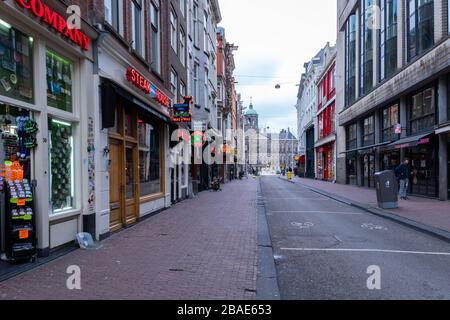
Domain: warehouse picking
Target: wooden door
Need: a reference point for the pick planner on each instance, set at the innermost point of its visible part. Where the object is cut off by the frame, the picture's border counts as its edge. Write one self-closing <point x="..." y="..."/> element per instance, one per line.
<point x="131" y="184"/>
<point x="116" y="185"/>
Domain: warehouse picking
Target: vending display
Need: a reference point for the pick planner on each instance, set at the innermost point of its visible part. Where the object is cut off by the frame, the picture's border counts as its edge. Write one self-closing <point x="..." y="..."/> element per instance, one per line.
<point x="20" y="226"/>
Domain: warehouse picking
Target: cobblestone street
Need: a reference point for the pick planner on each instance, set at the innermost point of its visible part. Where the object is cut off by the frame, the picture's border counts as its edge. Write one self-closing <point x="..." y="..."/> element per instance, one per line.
<point x="204" y="248"/>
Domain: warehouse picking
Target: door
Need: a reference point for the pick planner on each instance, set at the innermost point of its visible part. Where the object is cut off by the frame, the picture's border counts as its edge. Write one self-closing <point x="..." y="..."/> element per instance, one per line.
<point x="116" y="186"/>
<point x="123" y="171"/>
<point x="325" y="166"/>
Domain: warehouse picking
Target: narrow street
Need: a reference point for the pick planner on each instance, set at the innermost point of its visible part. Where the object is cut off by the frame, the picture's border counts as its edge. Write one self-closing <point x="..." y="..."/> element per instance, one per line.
<point x="323" y="249"/>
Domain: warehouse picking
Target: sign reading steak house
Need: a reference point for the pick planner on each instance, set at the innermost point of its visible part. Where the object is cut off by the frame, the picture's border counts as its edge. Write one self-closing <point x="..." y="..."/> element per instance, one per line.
<point x="56" y="21"/>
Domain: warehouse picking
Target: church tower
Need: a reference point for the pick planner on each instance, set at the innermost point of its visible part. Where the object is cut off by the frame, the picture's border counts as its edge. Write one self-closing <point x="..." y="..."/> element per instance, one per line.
<point x="251" y="118"/>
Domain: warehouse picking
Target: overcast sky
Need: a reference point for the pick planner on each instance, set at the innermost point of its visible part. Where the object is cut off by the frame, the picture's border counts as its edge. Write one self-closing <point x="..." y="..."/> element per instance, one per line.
<point x="275" y="39"/>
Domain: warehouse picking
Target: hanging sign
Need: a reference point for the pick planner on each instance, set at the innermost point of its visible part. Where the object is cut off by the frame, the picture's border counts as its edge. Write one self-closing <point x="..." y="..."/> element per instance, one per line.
<point x="398" y="129"/>
<point x="56" y="21"/>
<point x="181" y="113"/>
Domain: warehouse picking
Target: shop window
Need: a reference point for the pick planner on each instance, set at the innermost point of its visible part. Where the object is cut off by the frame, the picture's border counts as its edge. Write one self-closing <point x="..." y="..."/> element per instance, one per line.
<point x="16" y="64"/>
<point x="352" y="137"/>
<point x="368" y="131"/>
<point x="149" y="158"/>
<point x="61" y="161"/>
<point x="390" y="120"/>
<point x="422" y="111"/>
<point x="13" y="144"/>
<point x="59" y="82"/>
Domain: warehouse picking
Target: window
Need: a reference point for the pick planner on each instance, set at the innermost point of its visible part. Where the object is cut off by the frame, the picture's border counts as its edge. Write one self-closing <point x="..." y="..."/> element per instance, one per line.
<point x="112" y="13"/>
<point x="173" y="31"/>
<point x="366" y="47"/>
<point x="196" y="30"/>
<point x="206" y="93"/>
<point x="205" y="32"/>
<point x="16" y="68"/>
<point x="368" y="131"/>
<point x="61" y="161"/>
<point x="420" y="27"/>
<point x="59" y="82"/>
<point x="182" y="90"/>
<point x="183" y="7"/>
<point x="156" y="36"/>
<point x="422" y="111"/>
<point x="390" y="120"/>
<point x="182" y="47"/>
<point x="149" y="158"/>
<point x="196" y="81"/>
<point x="350" y="60"/>
<point x="219" y="121"/>
<point x="351" y="137"/>
<point x="137" y="27"/>
<point x="388" y="38"/>
<point x="173" y="82"/>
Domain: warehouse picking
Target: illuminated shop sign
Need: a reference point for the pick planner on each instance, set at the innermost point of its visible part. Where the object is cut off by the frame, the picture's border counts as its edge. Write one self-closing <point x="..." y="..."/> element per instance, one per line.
<point x="181" y="113"/>
<point x="56" y="21"/>
<point x="144" y="85"/>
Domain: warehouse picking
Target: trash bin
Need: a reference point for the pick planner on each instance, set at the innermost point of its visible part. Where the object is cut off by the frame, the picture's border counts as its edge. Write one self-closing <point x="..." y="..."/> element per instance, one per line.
<point x="387" y="189"/>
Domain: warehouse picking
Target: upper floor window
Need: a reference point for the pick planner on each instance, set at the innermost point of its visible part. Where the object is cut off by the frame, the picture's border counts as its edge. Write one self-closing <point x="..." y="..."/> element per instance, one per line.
<point x="368" y="131"/>
<point x="422" y="111"/>
<point x="182" y="47"/>
<point x="366" y="47"/>
<point x="137" y="27"/>
<point x="390" y="120"/>
<point x="173" y="82"/>
<point x="388" y="38"/>
<point x="350" y="60"/>
<point x="155" y="36"/>
<point x="182" y="90"/>
<point x="420" y="29"/>
<point x="173" y="31"/>
<point x="112" y="13"/>
<point x="196" y="26"/>
<point x="196" y="82"/>
<point x="205" y="32"/>
<point x="183" y="7"/>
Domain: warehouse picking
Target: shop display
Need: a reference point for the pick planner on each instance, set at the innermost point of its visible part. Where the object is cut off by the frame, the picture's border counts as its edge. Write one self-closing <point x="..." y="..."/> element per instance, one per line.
<point x="20" y="240"/>
<point x="16" y="79"/>
<point x="59" y="82"/>
<point x="61" y="165"/>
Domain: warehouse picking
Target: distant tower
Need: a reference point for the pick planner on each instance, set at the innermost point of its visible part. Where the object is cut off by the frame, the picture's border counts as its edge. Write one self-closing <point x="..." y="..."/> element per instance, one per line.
<point x="251" y="118"/>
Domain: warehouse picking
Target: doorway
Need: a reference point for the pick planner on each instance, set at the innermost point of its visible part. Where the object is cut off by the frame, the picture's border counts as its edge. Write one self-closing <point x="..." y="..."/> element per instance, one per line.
<point x="123" y="181"/>
<point x="368" y="162"/>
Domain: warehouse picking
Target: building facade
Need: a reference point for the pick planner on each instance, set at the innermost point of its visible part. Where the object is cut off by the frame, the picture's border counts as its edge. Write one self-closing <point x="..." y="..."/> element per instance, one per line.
<point x="325" y="144"/>
<point x="306" y="110"/>
<point x="392" y="92"/>
<point x="283" y="148"/>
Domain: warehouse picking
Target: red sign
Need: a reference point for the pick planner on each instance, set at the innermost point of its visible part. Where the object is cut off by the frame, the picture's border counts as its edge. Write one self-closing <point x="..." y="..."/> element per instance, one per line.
<point x="143" y="84"/>
<point x="424" y="141"/>
<point x="138" y="80"/>
<point x="56" y="21"/>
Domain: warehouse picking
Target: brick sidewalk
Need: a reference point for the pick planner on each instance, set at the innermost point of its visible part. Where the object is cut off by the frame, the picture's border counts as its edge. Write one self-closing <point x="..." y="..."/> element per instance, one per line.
<point x="430" y="212"/>
<point x="204" y="248"/>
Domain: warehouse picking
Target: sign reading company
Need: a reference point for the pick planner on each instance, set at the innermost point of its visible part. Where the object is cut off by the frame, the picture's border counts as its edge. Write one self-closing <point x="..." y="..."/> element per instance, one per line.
<point x="144" y="85"/>
<point x="56" y="21"/>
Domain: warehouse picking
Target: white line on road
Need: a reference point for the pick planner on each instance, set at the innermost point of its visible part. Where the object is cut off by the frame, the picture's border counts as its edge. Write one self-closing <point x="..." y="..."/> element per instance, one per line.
<point x="299" y="198"/>
<point x="368" y="250"/>
<point x="326" y="212"/>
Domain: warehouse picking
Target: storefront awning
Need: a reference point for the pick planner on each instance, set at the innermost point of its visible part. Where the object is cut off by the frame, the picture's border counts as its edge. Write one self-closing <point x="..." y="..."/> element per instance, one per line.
<point x="367" y="147"/>
<point x="411" y="141"/>
<point x="445" y="129"/>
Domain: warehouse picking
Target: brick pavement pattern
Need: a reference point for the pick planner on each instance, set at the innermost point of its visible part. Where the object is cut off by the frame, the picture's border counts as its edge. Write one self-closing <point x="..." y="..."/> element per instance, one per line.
<point x="430" y="212"/>
<point x="203" y="248"/>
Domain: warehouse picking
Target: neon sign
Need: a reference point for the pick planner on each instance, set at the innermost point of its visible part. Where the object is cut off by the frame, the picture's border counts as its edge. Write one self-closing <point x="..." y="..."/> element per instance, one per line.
<point x="56" y="21"/>
<point x="144" y="85"/>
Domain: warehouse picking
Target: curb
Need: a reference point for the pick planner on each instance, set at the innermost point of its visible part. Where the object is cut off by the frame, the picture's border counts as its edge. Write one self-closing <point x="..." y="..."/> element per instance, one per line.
<point x="266" y="281"/>
<point x="433" y="231"/>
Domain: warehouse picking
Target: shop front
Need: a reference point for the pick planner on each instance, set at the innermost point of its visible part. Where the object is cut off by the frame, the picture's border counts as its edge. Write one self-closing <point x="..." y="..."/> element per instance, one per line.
<point x="45" y="82"/>
<point x="133" y="141"/>
<point x="325" y="162"/>
<point x="367" y="158"/>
